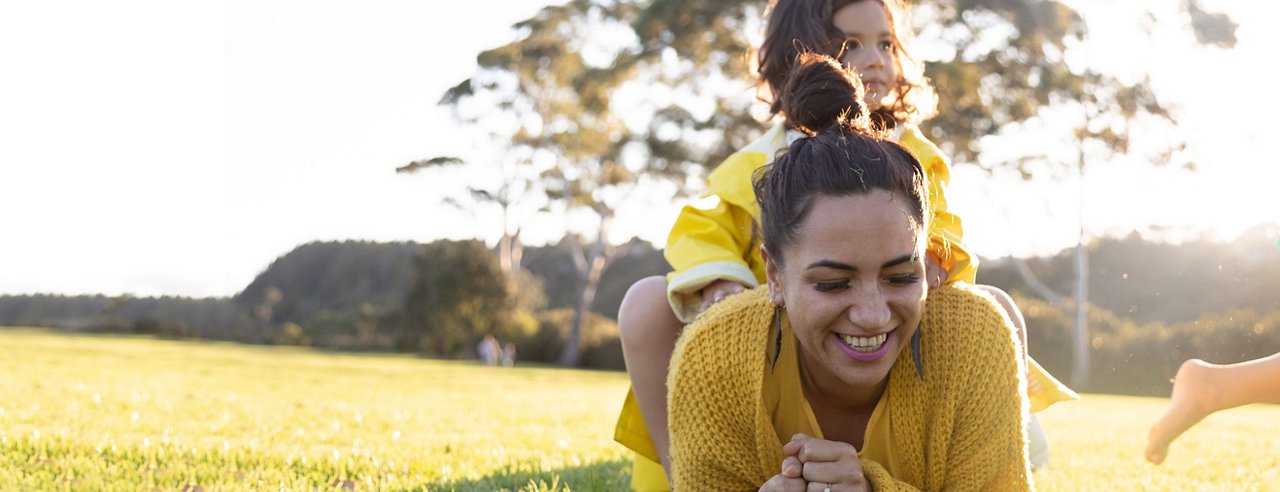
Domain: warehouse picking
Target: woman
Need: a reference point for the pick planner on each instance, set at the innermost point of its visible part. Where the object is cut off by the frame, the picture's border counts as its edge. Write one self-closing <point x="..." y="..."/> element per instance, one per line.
<point x="836" y="377"/>
<point x="712" y="250"/>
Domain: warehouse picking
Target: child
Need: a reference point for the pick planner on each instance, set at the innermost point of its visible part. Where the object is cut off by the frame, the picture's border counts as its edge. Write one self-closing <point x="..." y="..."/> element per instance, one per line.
<point x="1201" y="388"/>
<point x="509" y="354"/>
<point x="713" y="250"/>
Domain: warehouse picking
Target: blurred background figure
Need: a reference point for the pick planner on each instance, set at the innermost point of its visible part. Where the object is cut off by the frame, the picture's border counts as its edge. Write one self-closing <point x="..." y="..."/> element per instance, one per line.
<point x="509" y="354"/>
<point x="1201" y="388"/>
<point x="489" y="351"/>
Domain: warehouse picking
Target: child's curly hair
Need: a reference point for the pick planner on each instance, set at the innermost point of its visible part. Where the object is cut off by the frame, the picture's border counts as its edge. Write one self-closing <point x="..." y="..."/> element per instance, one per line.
<point x="798" y="26"/>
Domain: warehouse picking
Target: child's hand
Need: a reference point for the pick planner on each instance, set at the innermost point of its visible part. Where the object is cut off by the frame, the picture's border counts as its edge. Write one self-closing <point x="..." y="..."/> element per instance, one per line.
<point x="716" y="291"/>
<point x="933" y="271"/>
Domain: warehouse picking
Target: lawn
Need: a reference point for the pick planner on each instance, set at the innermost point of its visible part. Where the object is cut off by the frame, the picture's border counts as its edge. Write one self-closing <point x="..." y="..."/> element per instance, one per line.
<point x="104" y="412"/>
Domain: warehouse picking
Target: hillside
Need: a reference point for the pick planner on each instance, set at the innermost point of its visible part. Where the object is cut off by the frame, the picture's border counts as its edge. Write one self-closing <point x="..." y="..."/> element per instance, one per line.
<point x="1136" y="279"/>
<point x="1152" y="304"/>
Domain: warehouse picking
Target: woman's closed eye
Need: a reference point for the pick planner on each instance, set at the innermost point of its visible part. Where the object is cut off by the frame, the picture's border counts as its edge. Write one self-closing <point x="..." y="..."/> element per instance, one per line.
<point x="909" y="279"/>
<point x="831" y="286"/>
<point x="895" y="280"/>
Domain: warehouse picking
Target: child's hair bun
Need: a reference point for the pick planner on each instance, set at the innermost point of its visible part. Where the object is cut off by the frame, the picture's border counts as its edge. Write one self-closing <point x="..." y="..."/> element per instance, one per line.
<point x="820" y="93"/>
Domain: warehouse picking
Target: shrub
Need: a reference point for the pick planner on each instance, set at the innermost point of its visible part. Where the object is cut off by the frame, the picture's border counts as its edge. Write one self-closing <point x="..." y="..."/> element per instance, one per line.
<point x="291" y="334"/>
<point x="601" y="348"/>
<point x="1132" y="359"/>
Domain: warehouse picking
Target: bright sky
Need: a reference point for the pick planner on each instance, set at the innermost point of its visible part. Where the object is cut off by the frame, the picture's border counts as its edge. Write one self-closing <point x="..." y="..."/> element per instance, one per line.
<point x="154" y="147"/>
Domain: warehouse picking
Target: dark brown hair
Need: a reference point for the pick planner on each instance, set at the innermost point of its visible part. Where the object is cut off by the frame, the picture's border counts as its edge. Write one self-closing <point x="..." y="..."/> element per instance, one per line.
<point x="798" y="26"/>
<point x="842" y="155"/>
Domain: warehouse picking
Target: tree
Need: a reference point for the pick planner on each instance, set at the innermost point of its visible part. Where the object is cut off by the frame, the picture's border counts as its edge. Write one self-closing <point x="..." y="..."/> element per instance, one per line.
<point x="1112" y="112"/>
<point x="593" y="151"/>
<point x="575" y="128"/>
<point x="460" y="294"/>
<point x="1109" y="109"/>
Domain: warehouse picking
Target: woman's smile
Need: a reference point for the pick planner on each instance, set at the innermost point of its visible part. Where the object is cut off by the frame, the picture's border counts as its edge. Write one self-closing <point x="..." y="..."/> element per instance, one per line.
<point x="864" y="349"/>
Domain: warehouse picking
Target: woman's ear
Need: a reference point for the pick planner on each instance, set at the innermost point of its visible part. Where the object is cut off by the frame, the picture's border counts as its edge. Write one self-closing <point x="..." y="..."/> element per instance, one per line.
<point x="773" y="276"/>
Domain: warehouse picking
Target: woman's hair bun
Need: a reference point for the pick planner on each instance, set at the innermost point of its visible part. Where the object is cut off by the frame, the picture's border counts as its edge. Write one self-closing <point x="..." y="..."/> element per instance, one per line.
<point x="821" y="93"/>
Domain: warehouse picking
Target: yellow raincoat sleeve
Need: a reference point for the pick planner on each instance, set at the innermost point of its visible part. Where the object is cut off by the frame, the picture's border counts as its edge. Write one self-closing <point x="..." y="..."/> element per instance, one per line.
<point x="716" y="241"/>
<point x="946" y="233"/>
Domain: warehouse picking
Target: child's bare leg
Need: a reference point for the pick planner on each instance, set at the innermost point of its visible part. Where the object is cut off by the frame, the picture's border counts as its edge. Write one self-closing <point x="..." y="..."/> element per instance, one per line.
<point x="649" y="330"/>
<point x="1201" y="388"/>
<point x="1015" y="314"/>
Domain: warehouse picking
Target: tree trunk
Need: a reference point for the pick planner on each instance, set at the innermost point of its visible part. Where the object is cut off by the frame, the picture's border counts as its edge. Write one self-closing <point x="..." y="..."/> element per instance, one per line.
<point x="1080" y="369"/>
<point x="590" y="267"/>
<point x="506" y="242"/>
<point x="517" y="250"/>
<point x="504" y="252"/>
<point x="510" y="248"/>
<point x="1080" y="373"/>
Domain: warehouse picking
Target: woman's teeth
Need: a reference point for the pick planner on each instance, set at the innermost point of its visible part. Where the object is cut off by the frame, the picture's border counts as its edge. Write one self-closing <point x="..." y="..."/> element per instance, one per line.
<point x="864" y="344"/>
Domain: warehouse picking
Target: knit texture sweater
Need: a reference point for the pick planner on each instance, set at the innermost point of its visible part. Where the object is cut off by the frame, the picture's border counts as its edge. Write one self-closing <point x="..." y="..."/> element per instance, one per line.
<point x="959" y="427"/>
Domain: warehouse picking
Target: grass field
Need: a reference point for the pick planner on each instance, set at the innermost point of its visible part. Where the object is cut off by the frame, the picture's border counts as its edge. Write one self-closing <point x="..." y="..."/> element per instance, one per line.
<point x="104" y="412"/>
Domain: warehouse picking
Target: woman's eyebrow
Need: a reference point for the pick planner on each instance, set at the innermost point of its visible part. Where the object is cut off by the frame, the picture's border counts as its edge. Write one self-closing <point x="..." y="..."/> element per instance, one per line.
<point x="845" y="266"/>
<point x="899" y="260"/>
<point x="831" y="264"/>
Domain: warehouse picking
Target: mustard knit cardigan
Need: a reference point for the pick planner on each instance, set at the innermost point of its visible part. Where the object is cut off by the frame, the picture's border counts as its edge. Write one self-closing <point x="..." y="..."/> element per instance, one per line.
<point x="960" y="427"/>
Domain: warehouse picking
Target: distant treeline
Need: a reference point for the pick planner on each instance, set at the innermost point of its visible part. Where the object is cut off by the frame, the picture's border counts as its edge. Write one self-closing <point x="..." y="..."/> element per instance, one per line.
<point x="172" y="316"/>
<point x="360" y="295"/>
<point x="1148" y="282"/>
<point x="1152" y="304"/>
<point x="1139" y="359"/>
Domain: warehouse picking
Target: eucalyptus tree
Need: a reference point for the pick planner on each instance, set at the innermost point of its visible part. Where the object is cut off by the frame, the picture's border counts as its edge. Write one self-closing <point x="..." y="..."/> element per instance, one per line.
<point x="599" y="120"/>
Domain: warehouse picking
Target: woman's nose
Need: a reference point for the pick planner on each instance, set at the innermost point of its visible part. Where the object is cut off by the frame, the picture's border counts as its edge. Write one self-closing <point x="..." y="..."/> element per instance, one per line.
<point x="870" y="311"/>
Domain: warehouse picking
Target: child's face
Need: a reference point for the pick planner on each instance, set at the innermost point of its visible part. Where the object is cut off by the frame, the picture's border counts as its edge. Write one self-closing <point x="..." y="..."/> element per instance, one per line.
<point x="869" y="47"/>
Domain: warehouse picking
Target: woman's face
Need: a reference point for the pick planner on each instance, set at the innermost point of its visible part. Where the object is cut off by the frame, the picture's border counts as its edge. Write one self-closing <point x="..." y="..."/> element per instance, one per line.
<point x="852" y="288"/>
<point x="869" y="47"/>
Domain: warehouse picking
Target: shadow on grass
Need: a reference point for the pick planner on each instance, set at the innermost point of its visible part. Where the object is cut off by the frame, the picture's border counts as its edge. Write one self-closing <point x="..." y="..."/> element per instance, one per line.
<point x="604" y="475"/>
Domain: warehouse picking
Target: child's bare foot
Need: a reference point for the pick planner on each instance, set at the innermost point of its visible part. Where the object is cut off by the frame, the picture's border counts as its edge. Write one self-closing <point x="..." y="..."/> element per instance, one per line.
<point x="1194" y="398"/>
